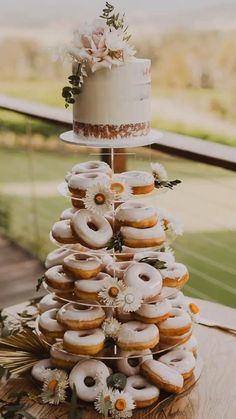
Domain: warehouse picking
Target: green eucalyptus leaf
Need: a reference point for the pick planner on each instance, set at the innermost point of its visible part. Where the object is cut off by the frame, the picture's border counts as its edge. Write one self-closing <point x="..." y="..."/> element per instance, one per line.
<point x="117" y="381"/>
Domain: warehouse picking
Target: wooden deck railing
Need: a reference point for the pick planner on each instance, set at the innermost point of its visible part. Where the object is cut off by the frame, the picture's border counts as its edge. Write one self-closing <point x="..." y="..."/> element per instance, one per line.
<point x="178" y="145"/>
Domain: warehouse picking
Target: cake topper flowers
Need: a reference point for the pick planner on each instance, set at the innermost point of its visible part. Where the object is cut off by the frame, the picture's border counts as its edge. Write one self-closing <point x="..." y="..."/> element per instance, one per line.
<point x="54" y="387"/>
<point x="99" y="198"/>
<point x="102" y="44"/>
<point x="114" y="403"/>
<point x="117" y="294"/>
<point x="161" y="177"/>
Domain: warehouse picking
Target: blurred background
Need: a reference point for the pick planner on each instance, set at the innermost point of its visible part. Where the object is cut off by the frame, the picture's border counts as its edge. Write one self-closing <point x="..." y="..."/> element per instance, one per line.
<point x="192" y="46"/>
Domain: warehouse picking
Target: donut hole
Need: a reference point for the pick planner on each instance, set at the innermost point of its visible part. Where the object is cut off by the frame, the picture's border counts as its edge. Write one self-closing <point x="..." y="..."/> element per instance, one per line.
<point x="176" y="360"/>
<point x="84" y="334"/>
<point x="134" y="362"/>
<point x="92" y="226"/>
<point x="144" y="277"/>
<point x="139" y="386"/>
<point x="77" y="256"/>
<point x="89" y="381"/>
<point x="139" y="329"/>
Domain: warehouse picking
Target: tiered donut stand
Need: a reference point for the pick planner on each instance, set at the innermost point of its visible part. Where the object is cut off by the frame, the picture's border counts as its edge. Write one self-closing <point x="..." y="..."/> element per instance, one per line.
<point x="111" y="354"/>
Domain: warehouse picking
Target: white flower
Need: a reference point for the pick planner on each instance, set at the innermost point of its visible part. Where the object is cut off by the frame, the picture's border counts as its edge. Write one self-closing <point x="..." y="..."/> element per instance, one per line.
<point x="113" y="287"/>
<point x="103" y="402"/>
<point x="193" y="311"/>
<point x="54" y="387"/>
<point x="171" y="225"/>
<point x="99" y="199"/>
<point x="120" y="188"/>
<point x="129" y="299"/>
<point x="122" y="405"/>
<point x="111" y="327"/>
<point x="159" y="172"/>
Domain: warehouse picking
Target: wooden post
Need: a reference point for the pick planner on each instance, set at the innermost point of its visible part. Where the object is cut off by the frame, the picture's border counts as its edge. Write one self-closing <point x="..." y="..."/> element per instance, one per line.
<point x="119" y="158"/>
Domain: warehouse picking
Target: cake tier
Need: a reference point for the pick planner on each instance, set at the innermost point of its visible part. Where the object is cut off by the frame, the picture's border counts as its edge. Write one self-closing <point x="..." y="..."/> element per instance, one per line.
<point x="114" y="103"/>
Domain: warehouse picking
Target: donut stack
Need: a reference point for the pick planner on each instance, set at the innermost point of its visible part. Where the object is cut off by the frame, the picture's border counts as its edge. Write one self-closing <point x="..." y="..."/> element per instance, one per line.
<point x="152" y="342"/>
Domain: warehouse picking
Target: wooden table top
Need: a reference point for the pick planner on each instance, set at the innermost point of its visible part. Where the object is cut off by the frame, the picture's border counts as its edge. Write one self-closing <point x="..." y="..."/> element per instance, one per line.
<point x="213" y="397"/>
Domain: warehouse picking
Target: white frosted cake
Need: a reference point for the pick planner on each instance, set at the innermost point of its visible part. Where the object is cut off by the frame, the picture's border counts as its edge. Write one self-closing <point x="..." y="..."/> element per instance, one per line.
<point x="114" y="103"/>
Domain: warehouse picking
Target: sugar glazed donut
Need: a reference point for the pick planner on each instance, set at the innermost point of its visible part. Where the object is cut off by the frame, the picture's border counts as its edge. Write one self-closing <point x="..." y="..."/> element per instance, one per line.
<point x="62" y="359"/>
<point x="136" y="214"/>
<point x="89" y="378"/>
<point x="62" y="233"/>
<point x="56" y="278"/>
<point x="49" y="325"/>
<point x="48" y="302"/>
<point x="142" y="392"/>
<point x="42" y="369"/>
<point x="117" y="269"/>
<point x="89" y="167"/>
<point x="80" y="317"/>
<point x="78" y="184"/>
<point x="167" y="341"/>
<point x="89" y="290"/>
<point x="191" y="345"/>
<point x="175" y="276"/>
<point x="92" y="230"/>
<point x="57" y="256"/>
<point x="162" y="376"/>
<point x="68" y="213"/>
<point x="181" y="360"/>
<point x="82" y="265"/>
<point x="178" y="323"/>
<point x="140" y="182"/>
<point x="84" y="342"/>
<point x="145" y="237"/>
<point x="137" y="336"/>
<point x="129" y="362"/>
<point x="154" y="312"/>
<point x="145" y="278"/>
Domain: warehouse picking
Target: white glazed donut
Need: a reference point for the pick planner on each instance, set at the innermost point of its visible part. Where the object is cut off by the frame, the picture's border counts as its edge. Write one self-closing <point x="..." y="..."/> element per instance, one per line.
<point x="177" y="324"/>
<point x="48" y="302"/>
<point x="141" y="182"/>
<point x="80" y="317"/>
<point x="89" y="290"/>
<point x="177" y="300"/>
<point x="169" y="341"/>
<point x="166" y="257"/>
<point x="145" y="237"/>
<point x="42" y="369"/>
<point x="153" y="313"/>
<point x="182" y="361"/>
<point x="84" y="342"/>
<point x="137" y="336"/>
<point x="89" y="167"/>
<point x="129" y="362"/>
<point x="117" y="269"/>
<point x="175" y="276"/>
<point x="57" y="256"/>
<point x="49" y="325"/>
<point x="191" y="345"/>
<point x="82" y="265"/>
<point x="62" y="233"/>
<point x="89" y="377"/>
<point x="162" y="376"/>
<point x="145" y="278"/>
<point x="68" y="213"/>
<point x="56" y="278"/>
<point x="78" y="184"/>
<point x="92" y="230"/>
<point x="142" y="392"/>
<point x="136" y="214"/>
<point x="61" y="358"/>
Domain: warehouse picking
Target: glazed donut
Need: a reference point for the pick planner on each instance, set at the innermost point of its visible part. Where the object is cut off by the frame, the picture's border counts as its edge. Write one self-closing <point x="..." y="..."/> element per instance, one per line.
<point x="190" y="345"/>
<point x="62" y="232"/>
<point x="142" y="392"/>
<point x="182" y="361"/>
<point x="170" y="341"/>
<point x="162" y="375"/>
<point x="78" y="184"/>
<point x="84" y="342"/>
<point x="166" y="257"/>
<point x="57" y="256"/>
<point x="68" y="213"/>
<point x="82" y="266"/>
<point x="140" y="182"/>
<point x="137" y="336"/>
<point x="136" y="214"/>
<point x="89" y="290"/>
<point x="177" y="300"/>
<point x="145" y="237"/>
<point x="92" y="230"/>
<point x="80" y="317"/>
<point x="117" y="269"/>
<point x="129" y="362"/>
<point x="145" y="278"/>
<point x="42" y="369"/>
<point x="49" y="325"/>
<point x="175" y="276"/>
<point x="89" y="167"/>
<point x="56" y="278"/>
<point x="61" y="358"/>
<point x="178" y="323"/>
<point x="89" y="377"/>
<point x="48" y="302"/>
<point x="153" y="313"/>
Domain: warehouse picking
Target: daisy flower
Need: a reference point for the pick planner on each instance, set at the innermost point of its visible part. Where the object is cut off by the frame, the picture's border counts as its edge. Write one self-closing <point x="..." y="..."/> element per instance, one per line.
<point x="113" y="287"/>
<point x="120" y="188"/>
<point x="103" y="402"/>
<point x="159" y="172"/>
<point x="122" y="405"/>
<point x="129" y="299"/>
<point x="111" y="327"/>
<point x="54" y="387"/>
<point x="99" y="199"/>
<point x="171" y="225"/>
<point x="194" y="311"/>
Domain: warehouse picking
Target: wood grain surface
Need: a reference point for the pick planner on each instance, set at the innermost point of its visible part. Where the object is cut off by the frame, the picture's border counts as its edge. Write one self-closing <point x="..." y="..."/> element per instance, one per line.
<point x="213" y="397"/>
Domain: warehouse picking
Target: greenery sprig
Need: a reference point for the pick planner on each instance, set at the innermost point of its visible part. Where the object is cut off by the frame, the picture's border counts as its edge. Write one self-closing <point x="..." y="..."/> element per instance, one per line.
<point x="117" y="381"/>
<point x="156" y="263"/>
<point x="166" y="183"/>
<point x="39" y="283"/>
<point x="116" y="243"/>
<point x="15" y="408"/>
<point x="116" y="20"/>
<point x="76" y="81"/>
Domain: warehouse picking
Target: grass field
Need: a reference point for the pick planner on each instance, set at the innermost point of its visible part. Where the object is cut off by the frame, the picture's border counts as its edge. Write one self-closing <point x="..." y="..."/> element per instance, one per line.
<point x="207" y="247"/>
